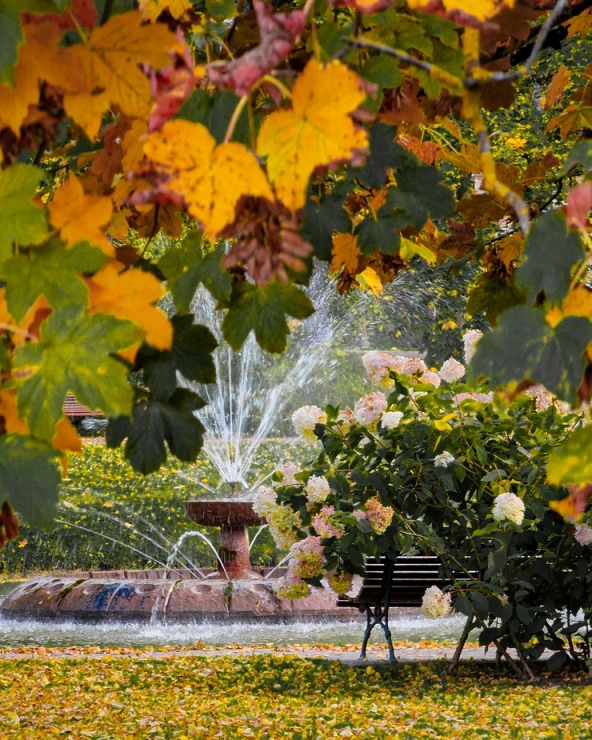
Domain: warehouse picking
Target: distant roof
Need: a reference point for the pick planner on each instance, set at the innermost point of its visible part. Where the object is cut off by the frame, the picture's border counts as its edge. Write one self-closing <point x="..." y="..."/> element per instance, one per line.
<point x="73" y="408"/>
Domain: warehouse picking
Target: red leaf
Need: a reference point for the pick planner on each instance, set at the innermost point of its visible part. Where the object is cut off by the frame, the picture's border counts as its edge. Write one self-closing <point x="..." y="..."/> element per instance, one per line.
<point x="82" y="13"/>
<point x="579" y="202"/>
<point x="279" y="32"/>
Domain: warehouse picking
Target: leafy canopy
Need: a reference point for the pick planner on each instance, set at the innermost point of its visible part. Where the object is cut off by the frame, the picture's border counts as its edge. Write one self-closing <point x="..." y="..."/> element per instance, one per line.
<point x="188" y="144"/>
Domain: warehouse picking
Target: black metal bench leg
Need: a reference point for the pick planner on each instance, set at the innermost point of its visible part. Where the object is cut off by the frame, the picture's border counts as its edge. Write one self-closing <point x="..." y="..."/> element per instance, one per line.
<point x="369" y="627"/>
<point x="389" y="641"/>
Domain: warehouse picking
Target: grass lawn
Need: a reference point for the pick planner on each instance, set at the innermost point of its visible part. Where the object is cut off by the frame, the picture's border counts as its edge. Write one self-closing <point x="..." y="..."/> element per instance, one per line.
<point x="280" y="696"/>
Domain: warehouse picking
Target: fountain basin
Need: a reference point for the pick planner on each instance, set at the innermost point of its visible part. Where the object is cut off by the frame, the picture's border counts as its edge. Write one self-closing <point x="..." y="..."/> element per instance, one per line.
<point x="162" y="596"/>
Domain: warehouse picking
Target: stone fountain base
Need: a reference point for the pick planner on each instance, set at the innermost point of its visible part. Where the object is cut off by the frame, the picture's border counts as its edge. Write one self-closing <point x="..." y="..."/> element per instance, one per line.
<point x="154" y="594"/>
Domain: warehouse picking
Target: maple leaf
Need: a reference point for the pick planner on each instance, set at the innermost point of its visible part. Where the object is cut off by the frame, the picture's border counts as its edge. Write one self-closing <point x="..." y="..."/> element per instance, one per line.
<point x="317" y="131"/>
<point x="29" y="478"/>
<point x="346" y="253"/>
<point x="556" y="87"/>
<point x="268" y="241"/>
<point x="462" y="11"/>
<point x="579" y="203"/>
<point x="279" y="32"/>
<point x="209" y="178"/>
<point x="131" y="294"/>
<point x="73" y="355"/>
<point x="171" y="86"/>
<point x="106" y="70"/>
<point x="80" y="216"/>
<point x="52" y="271"/>
<point x="80" y="13"/>
<point x="369" y="279"/>
<point x="21" y="221"/>
<point x="10" y="421"/>
<point x="151" y="9"/>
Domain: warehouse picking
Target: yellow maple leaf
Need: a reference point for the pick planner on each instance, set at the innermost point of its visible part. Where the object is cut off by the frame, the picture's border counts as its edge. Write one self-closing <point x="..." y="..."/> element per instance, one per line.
<point x="369" y="280"/>
<point x="66" y="438"/>
<point x="210" y="178"/>
<point x="106" y="69"/>
<point x="481" y="9"/>
<point x="34" y="60"/>
<point x="11" y="421"/>
<point x="151" y="9"/>
<point x="80" y="216"/>
<point x="131" y="294"/>
<point x="409" y="249"/>
<point x="345" y="253"/>
<point x="316" y="131"/>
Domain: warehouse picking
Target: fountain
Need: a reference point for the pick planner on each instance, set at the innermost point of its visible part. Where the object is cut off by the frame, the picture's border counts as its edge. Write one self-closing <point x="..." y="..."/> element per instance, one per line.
<point x="240" y="414"/>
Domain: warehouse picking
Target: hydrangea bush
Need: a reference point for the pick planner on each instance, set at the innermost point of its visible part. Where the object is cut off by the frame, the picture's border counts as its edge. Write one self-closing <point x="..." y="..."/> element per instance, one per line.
<point x="441" y="467"/>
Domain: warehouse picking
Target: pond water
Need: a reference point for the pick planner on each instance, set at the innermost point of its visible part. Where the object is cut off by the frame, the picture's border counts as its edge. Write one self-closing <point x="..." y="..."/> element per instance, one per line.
<point x="405" y="625"/>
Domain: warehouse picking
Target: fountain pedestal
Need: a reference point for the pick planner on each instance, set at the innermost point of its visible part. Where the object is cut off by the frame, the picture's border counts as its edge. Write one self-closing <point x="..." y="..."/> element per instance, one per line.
<point x="232" y="516"/>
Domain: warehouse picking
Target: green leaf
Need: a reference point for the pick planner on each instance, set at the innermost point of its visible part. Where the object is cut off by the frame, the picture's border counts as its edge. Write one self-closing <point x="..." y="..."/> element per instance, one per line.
<point x="550" y="253"/>
<point x="571" y="461"/>
<point x="156" y="422"/>
<point x="263" y="310"/>
<point x="186" y="267"/>
<point x="321" y="219"/>
<point x="74" y="354"/>
<point x="29" y="478"/>
<point x="223" y="10"/>
<point x="51" y="270"/>
<point x="21" y="221"/>
<point x="191" y="355"/>
<point x="493" y="297"/>
<point x="581" y="154"/>
<point x="380" y="234"/>
<point x="12" y="37"/>
<point x="552" y="356"/>
<point x="419" y="192"/>
<point x="382" y="157"/>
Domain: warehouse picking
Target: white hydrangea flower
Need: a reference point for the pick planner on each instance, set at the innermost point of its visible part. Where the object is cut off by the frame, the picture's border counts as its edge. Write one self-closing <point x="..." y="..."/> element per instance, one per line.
<point x="264" y="499"/>
<point x="370" y="408"/>
<point x="431" y="378"/>
<point x="306" y="418"/>
<point x="378" y="366"/>
<point x="288" y="471"/>
<point x="391" y="419"/>
<point x="583" y="534"/>
<point x="470" y="340"/>
<point x="443" y="460"/>
<point x="435" y="603"/>
<point x="508" y="506"/>
<point x="451" y="370"/>
<point x="317" y="489"/>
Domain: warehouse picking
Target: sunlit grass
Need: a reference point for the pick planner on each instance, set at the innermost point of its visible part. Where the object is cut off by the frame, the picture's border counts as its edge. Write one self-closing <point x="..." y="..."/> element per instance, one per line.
<point x="103" y="494"/>
<point x="282" y="696"/>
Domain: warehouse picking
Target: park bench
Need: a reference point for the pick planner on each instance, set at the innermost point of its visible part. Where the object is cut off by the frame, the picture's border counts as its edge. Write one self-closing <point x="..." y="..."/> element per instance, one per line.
<point x="387" y="583"/>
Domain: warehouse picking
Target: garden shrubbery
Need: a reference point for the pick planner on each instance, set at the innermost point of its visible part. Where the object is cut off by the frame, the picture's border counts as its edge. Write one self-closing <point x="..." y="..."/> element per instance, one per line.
<point x="439" y="467"/>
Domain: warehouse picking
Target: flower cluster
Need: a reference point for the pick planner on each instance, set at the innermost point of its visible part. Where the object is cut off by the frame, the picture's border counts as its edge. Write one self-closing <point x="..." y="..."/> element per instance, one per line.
<point x="451" y="370"/>
<point x="583" y="534"/>
<point x="470" y="340"/>
<point x="435" y="603"/>
<point x="369" y="409"/>
<point x="288" y="471"/>
<point x="307" y="558"/>
<point x="508" y="506"/>
<point x="344" y="583"/>
<point x="443" y="460"/>
<point x="324" y="526"/>
<point x="317" y="489"/>
<point x="306" y="418"/>
<point x="378" y="515"/>
<point x="391" y="419"/>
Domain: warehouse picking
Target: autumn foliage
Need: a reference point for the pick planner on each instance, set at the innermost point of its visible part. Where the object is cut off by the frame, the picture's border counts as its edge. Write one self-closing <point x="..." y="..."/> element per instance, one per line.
<point x="254" y="137"/>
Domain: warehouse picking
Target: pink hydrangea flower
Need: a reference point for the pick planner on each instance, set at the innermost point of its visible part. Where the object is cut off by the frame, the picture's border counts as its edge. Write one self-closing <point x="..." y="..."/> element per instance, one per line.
<point x="370" y="408"/>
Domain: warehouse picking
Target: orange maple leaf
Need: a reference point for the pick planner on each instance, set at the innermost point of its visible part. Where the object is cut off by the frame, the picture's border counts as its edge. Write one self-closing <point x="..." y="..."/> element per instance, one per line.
<point x="345" y="253"/>
<point x="106" y="70"/>
<point x="317" y="131"/>
<point x="34" y="60"/>
<point x="80" y="216"/>
<point x="131" y="294"/>
<point x="11" y="421"/>
<point x="482" y="10"/>
<point x="210" y="179"/>
<point x="151" y="9"/>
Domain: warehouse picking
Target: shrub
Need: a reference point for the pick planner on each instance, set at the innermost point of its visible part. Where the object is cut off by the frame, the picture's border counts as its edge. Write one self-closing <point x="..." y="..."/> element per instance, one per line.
<point x="442" y="468"/>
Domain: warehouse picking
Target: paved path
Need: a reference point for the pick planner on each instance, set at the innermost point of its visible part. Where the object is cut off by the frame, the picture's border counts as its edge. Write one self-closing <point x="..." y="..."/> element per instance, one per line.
<point x="404" y="652"/>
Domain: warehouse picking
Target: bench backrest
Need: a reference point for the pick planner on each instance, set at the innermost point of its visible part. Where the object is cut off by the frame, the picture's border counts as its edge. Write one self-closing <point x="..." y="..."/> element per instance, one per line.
<point x="412" y="574"/>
